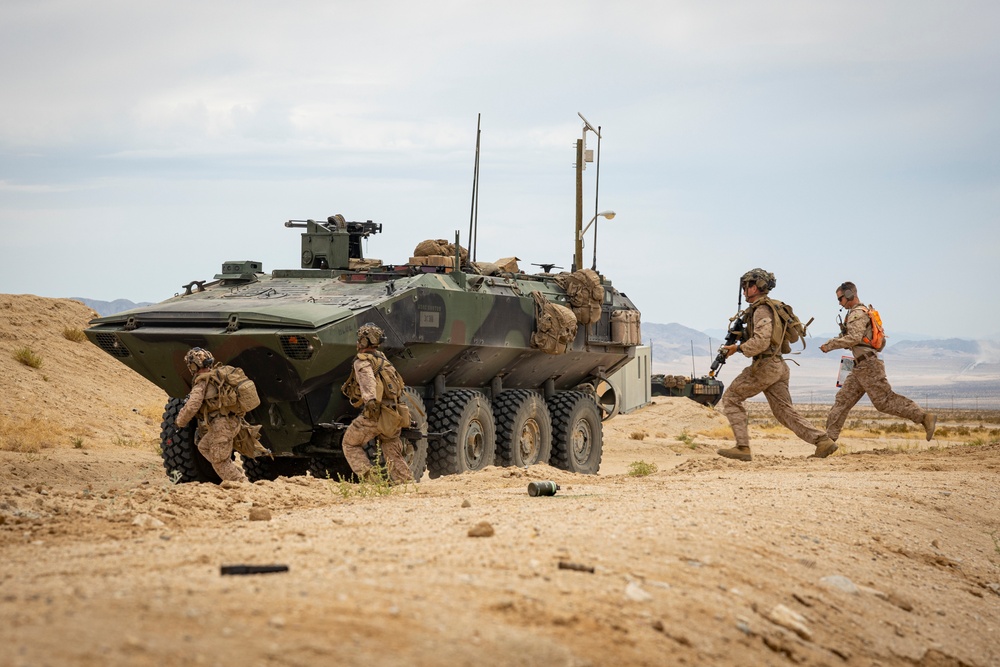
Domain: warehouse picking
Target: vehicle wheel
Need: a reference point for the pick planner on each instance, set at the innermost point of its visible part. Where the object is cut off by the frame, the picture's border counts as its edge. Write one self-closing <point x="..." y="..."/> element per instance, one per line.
<point x="577" y="435"/>
<point x="414" y="452"/>
<point x="524" y="428"/>
<point x="264" y="467"/>
<point x="181" y="458"/>
<point x="469" y="443"/>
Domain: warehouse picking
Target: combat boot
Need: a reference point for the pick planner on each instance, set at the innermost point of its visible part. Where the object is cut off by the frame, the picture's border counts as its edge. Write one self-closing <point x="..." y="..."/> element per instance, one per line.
<point x="930" y="424"/>
<point x="824" y="448"/>
<point x="738" y="453"/>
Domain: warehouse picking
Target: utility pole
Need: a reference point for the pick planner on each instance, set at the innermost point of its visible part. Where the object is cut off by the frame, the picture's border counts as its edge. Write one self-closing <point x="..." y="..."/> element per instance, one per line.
<point x="578" y="231"/>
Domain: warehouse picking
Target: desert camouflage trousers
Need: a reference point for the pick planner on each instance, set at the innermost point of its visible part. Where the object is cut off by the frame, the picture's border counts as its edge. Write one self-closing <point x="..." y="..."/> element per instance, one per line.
<point x="358" y="434"/>
<point x="768" y="375"/>
<point x="216" y="445"/>
<point x="868" y="377"/>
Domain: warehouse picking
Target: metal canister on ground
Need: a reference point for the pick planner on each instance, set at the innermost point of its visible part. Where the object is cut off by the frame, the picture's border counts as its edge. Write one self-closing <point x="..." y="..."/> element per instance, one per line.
<point x="545" y="488"/>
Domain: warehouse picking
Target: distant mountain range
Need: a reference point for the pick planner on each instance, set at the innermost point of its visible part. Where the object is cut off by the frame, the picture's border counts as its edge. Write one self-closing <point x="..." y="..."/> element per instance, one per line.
<point x="105" y="308"/>
<point x="673" y="342"/>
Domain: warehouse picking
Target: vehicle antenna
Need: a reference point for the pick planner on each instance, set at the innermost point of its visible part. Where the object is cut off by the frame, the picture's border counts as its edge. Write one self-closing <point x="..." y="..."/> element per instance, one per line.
<point x="474" y="215"/>
<point x="597" y="190"/>
<point x="692" y="358"/>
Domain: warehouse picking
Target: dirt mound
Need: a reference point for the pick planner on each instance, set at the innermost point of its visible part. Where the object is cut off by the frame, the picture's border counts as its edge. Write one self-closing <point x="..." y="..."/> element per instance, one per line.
<point x="78" y="395"/>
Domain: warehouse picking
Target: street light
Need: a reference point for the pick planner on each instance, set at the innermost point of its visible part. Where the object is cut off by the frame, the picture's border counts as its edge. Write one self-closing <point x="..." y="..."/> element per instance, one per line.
<point x="579" y="241"/>
<point x="603" y="214"/>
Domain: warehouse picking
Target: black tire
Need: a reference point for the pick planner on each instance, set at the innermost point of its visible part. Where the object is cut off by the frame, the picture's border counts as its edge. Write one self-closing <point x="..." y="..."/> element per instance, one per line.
<point x="264" y="467"/>
<point x="415" y="451"/>
<point x="181" y="458"/>
<point x="469" y="443"/>
<point x="577" y="432"/>
<point x="524" y="428"/>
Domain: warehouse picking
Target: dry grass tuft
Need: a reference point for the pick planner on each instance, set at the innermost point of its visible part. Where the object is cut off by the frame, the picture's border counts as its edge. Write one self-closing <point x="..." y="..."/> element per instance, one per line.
<point x="28" y="435"/>
<point x="637" y="435"/>
<point x="136" y="443"/>
<point x="27" y="357"/>
<point x="74" y="334"/>
<point x="718" y="433"/>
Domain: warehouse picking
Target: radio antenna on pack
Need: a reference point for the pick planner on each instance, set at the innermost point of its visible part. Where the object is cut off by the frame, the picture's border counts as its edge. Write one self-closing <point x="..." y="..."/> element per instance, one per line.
<point x="473" y="237"/>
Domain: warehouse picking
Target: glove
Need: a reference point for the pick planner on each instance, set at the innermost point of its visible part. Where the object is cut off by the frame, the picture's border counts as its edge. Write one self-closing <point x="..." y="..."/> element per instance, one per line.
<point x="371" y="409"/>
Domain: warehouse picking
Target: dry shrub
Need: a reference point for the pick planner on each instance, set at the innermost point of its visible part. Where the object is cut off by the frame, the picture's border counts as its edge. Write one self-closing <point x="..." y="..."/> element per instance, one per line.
<point x="28" y="435"/>
<point x="637" y="435"/>
<point x="641" y="468"/>
<point x="74" y="334"/>
<point x="27" y="357"/>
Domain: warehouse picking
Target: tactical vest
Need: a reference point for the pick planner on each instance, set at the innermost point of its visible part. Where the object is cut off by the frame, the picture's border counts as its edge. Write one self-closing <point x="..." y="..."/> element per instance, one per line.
<point x="749" y="324"/>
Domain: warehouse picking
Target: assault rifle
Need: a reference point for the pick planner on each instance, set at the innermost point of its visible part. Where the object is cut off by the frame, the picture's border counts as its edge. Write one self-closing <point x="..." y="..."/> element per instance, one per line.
<point x="736" y="327"/>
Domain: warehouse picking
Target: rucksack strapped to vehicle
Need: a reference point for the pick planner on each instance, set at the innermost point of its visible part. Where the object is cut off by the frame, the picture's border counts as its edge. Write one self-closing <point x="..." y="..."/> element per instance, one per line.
<point x="555" y="326"/>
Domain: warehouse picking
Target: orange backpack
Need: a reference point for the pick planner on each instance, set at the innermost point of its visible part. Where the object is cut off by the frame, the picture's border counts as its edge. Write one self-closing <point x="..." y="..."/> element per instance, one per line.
<point x="877" y="339"/>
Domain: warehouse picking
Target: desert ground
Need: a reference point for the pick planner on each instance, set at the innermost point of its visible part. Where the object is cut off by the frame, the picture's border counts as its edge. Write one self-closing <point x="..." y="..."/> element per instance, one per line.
<point x="887" y="553"/>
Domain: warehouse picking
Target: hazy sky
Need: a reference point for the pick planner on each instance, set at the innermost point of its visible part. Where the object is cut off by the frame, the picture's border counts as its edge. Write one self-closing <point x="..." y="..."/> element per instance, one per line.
<point x="144" y="144"/>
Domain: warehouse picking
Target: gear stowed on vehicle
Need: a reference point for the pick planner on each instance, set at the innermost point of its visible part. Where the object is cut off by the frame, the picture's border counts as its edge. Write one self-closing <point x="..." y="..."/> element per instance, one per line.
<point x="480" y="389"/>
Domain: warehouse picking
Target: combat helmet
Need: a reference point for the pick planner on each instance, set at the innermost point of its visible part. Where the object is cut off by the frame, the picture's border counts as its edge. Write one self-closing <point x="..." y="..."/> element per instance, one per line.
<point x="764" y="280"/>
<point x="198" y="358"/>
<point x="369" y="335"/>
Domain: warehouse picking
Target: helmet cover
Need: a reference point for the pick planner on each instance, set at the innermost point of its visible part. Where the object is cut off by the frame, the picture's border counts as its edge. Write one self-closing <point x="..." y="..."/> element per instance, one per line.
<point x="764" y="280"/>
<point x="198" y="358"/>
<point x="369" y="335"/>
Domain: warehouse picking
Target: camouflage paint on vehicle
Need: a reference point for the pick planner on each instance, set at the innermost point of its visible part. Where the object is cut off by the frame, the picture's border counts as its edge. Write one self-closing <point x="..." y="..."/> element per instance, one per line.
<point x="293" y="332"/>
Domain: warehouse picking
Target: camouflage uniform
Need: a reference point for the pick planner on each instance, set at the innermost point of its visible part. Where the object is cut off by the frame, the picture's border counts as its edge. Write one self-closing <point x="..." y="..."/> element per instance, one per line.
<point x="365" y="427"/>
<point x="868" y="377"/>
<point x="216" y="431"/>
<point x="769" y="374"/>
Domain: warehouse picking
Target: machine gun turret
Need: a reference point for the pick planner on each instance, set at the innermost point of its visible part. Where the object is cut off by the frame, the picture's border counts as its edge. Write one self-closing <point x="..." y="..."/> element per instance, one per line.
<point x="334" y="243"/>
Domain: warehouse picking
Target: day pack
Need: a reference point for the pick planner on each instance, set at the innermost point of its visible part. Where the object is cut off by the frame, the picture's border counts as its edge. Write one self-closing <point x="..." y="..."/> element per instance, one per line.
<point x="237" y="392"/>
<point x="787" y="328"/>
<point x="875" y="334"/>
<point x="388" y="382"/>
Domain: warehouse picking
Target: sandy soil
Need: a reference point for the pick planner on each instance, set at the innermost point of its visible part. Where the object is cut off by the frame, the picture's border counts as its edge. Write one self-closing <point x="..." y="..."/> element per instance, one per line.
<point x="887" y="553"/>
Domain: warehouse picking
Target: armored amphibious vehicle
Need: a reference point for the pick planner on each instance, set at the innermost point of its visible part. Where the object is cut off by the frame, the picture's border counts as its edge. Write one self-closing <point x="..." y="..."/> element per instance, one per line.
<point x="480" y="389"/>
